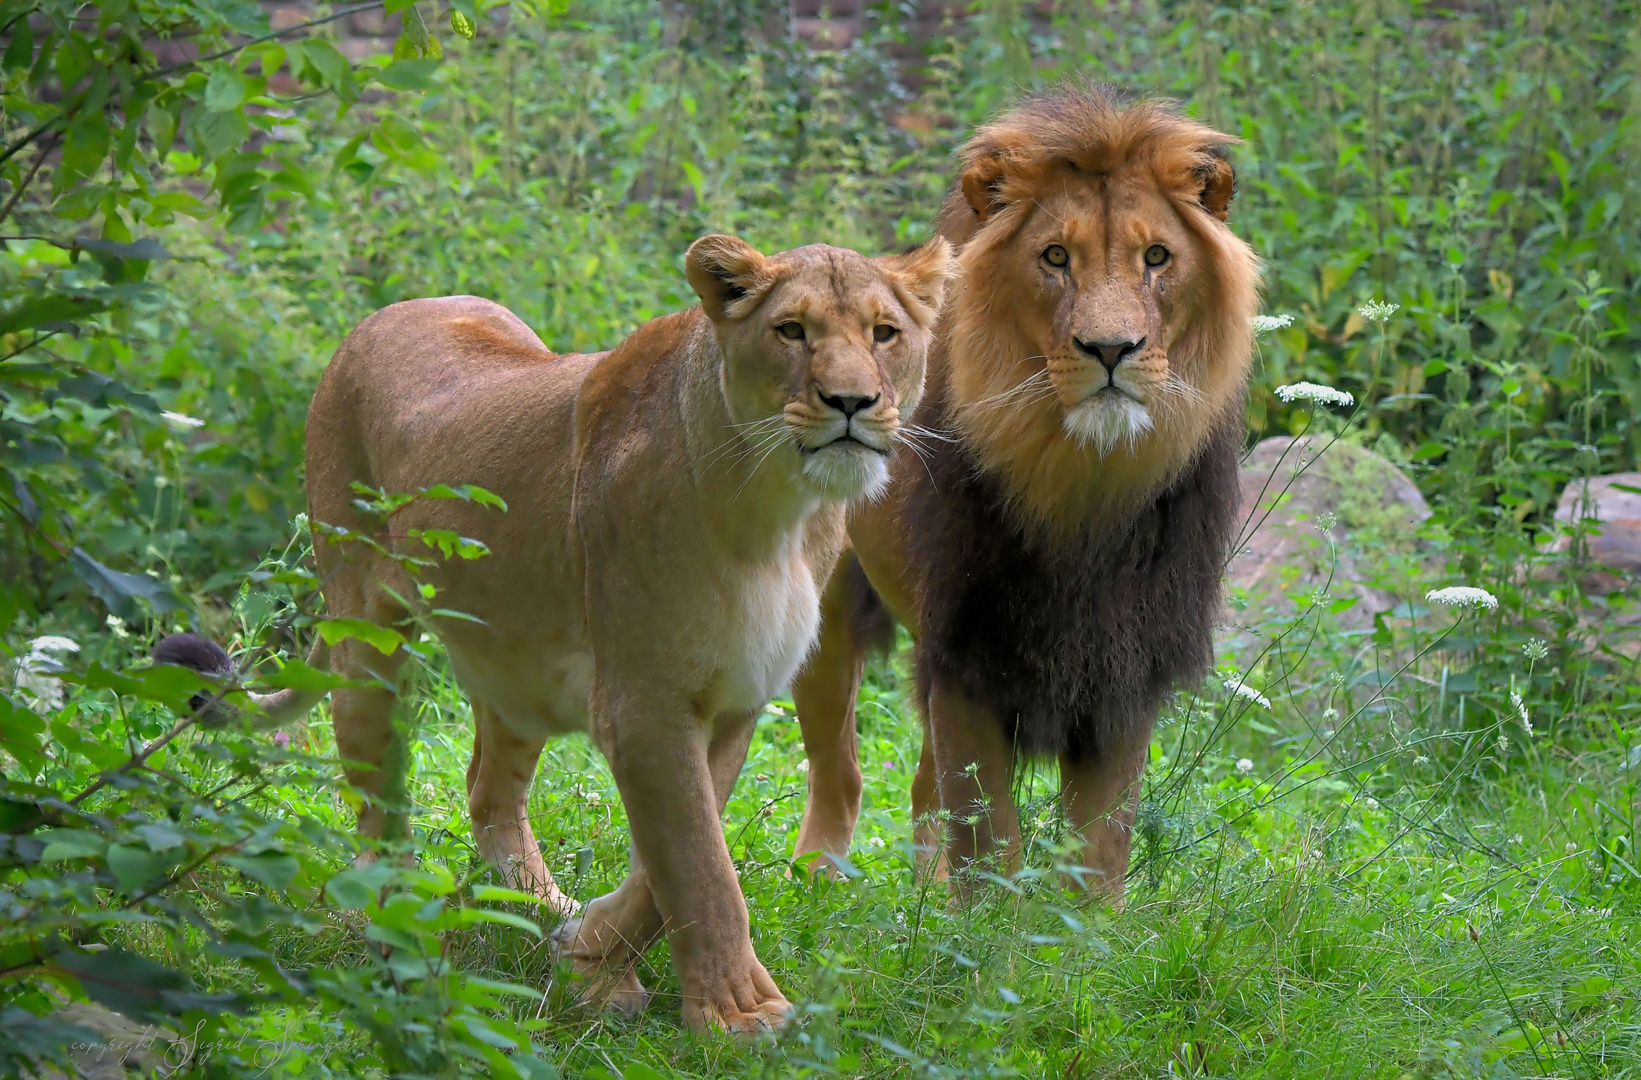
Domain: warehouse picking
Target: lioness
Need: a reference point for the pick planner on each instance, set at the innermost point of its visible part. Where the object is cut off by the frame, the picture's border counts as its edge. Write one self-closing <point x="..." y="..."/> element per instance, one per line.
<point x="1058" y="560"/>
<point x="674" y="508"/>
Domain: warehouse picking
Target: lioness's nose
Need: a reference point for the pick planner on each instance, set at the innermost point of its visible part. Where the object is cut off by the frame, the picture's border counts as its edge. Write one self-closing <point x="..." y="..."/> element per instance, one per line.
<point x="848" y="405"/>
<point x="1110" y="353"/>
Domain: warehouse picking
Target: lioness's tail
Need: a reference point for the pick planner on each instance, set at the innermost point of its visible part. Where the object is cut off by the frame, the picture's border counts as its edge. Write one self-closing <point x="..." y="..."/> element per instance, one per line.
<point x="208" y="658"/>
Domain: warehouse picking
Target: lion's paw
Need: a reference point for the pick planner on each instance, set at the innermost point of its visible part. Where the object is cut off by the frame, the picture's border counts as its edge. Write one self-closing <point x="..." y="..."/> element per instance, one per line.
<point x="613" y="989"/>
<point x="743" y="1003"/>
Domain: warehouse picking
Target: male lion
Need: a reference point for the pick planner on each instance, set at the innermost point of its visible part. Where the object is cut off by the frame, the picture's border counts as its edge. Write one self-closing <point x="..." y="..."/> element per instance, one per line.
<point x="674" y="508"/>
<point x="1058" y="560"/>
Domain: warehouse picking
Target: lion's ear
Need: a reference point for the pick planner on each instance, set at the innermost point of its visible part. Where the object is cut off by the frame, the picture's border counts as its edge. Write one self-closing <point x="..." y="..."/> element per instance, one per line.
<point x="1218" y="184"/>
<point x="982" y="184"/>
<point x="921" y="277"/>
<point x="728" y="274"/>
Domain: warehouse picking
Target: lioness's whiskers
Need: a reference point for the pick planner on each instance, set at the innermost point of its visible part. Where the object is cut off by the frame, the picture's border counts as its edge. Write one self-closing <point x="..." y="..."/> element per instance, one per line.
<point x="756" y="431"/>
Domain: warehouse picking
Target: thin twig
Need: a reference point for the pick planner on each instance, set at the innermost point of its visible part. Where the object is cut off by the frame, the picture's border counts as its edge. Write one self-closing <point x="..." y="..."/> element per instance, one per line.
<point x="28" y="178"/>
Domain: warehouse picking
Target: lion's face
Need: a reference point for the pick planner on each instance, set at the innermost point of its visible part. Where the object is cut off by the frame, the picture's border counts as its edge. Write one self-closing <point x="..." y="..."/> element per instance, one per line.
<point x="1104" y="325"/>
<point x="824" y="349"/>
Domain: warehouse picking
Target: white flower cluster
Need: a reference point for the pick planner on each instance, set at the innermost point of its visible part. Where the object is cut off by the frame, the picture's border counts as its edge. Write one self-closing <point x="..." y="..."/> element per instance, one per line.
<point x="1315" y="393"/>
<point x="1377" y="311"/>
<point x="1246" y="692"/>
<point x="1245" y="766"/>
<point x="37" y="672"/>
<point x="1464" y="596"/>
<point x="1265" y="324"/>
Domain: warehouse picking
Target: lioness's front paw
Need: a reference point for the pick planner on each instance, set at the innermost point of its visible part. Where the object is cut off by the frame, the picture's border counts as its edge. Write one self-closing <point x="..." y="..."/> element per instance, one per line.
<point x="740" y="999"/>
<point x="603" y="986"/>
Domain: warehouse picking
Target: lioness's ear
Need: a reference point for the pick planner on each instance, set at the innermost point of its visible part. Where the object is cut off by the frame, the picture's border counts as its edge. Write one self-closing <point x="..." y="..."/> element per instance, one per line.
<point x="982" y="183"/>
<point x="921" y="277"/>
<point x="1218" y="184"/>
<point x="728" y="274"/>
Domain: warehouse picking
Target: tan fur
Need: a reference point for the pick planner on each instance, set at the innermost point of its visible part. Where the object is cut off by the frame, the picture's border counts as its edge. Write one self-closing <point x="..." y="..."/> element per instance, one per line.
<point x="674" y="508"/>
<point x="1105" y="183"/>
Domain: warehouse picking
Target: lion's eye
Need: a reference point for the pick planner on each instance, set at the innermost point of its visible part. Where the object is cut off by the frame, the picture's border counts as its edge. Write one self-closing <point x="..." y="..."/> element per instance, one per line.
<point x="1156" y="255"/>
<point x="1055" y="255"/>
<point x="791" y="331"/>
<point x="884" y="332"/>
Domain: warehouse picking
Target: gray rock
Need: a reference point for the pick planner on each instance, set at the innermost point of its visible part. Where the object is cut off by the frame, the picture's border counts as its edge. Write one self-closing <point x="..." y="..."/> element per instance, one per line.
<point x="1614" y="516"/>
<point x="1289" y="487"/>
<point x="122" y="1050"/>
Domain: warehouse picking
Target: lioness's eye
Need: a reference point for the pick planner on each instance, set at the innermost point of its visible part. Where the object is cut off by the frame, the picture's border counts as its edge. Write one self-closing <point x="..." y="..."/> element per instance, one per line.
<point x="1156" y="255"/>
<point x="884" y="332"/>
<point x="1055" y="255"/>
<point x="791" y="331"/>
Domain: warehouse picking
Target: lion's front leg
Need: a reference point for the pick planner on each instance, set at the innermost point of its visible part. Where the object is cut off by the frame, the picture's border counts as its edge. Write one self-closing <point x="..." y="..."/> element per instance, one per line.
<point x="1100" y="796"/>
<point x="974" y="773"/>
<point x="671" y="768"/>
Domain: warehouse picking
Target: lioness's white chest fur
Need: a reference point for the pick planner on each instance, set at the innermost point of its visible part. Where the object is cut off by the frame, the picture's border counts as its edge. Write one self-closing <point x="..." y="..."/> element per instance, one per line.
<point x="772" y="611"/>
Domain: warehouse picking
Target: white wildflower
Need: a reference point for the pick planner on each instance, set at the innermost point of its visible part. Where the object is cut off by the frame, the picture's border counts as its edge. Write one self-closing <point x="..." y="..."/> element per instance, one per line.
<point x="1330" y="714"/>
<point x="1265" y="324"/>
<point x="803" y="766"/>
<point x="1371" y="803"/>
<point x="594" y="797"/>
<point x="876" y="841"/>
<point x="1377" y="311"/>
<point x="117" y="625"/>
<point x="1521" y="712"/>
<point x="37" y="672"/>
<point x="1536" y="649"/>
<point x="182" y="420"/>
<point x="1462" y="596"/>
<point x="1243" y="690"/>
<point x="1245" y="766"/>
<point x="1327" y="521"/>
<point x="1314" y="393"/>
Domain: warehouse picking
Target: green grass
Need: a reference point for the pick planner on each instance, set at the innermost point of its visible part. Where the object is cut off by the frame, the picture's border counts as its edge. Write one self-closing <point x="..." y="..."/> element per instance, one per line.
<point x="1362" y="902"/>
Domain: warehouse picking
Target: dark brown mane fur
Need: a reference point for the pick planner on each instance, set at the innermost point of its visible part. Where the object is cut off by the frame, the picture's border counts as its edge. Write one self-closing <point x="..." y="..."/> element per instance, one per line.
<point x="1073" y="645"/>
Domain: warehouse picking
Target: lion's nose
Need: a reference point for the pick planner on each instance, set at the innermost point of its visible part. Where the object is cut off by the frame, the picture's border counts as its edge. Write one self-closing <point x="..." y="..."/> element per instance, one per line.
<point x="849" y="405"/>
<point x="1110" y="353"/>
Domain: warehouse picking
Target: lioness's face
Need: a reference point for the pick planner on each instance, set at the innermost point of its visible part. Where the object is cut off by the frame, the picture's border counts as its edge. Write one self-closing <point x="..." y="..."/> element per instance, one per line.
<point x="1106" y="274"/>
<point x="823" y="351"/>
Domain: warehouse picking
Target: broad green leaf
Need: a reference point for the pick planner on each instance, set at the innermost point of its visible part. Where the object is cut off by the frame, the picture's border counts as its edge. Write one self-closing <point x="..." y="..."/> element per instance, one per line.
<point x="469" y="916"/>
<point x="74" y="60"/>
<point x="297" y="675"/>
<point x="133" y="867"/>
<point x="85" y="147"/>
<point x="160" y="835"/>
<point x="498" y="894"/>
<point x="121" y="591"/>
<point x="412" y="74"/>
<point x="43" y="310"/>
<point x="62" y="844"/>
<point x="226" y="90"/>
<point x="384" y="639"/>
<point x="272" y="869"/>
<point x="462" y="25"/>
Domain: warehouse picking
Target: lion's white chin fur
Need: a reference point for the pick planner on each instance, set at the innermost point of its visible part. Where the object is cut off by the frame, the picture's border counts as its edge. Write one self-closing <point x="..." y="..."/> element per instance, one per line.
<point x="1106" y="420"/>
<point x="847" y="472"/>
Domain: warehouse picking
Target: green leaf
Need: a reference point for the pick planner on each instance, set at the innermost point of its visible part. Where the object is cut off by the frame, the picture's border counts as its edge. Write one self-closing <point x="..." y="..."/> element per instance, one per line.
<point x="356" y="889"/>
<point x="219" y="133"/>
<point x="412" y="74"/>
<point x="498" y="894"/>
<point x="74" y="60"/>
<point x="20" y="732"/>
<point x="64" y="844"/>
<point x="134" y="867"/>
<point x="331" y="66"/>
<point x="297" y="675"/>
<point x="384" y="639"/>
<point x="42" y="310"/>
<point x="273" y="869"/>
<point x="85" y="148"/>
<point x="226" y="90"/>
<point x="469" y="916"/>
<point x="1428" y="451"/>
<point x="462" y="25"/>
<point x="160" y="835"/>
<point x="20" y="53"/>
<point x="121" y="591"/>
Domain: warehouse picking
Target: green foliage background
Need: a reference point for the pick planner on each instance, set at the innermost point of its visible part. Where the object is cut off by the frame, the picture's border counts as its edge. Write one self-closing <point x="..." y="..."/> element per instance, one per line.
<point x="196" y="241"/>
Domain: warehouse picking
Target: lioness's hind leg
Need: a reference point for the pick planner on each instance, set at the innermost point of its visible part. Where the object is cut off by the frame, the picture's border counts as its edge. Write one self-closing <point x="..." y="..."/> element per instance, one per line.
<point x="498" y="794"/>
<point x="363" y="720"/>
